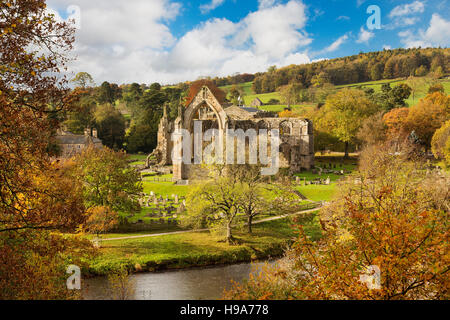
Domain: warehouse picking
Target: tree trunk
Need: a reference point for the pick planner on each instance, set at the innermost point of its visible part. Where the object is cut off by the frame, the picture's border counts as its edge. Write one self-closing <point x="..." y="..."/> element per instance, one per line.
<point x="229" y="236"/>
<point x="249" y="224"/>
<point x="346" y="151"/>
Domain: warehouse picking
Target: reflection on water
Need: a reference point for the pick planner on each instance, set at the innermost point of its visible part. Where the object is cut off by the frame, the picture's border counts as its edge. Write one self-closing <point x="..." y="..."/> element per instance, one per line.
<point x="192" y="284"/>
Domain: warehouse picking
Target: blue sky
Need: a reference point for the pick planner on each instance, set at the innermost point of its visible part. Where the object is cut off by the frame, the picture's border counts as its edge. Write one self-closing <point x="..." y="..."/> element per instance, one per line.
<point x="170" y="41"/>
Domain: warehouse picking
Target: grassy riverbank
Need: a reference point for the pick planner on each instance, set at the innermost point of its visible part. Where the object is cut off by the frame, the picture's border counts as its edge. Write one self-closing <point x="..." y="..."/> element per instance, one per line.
<point x="178" y="251"/>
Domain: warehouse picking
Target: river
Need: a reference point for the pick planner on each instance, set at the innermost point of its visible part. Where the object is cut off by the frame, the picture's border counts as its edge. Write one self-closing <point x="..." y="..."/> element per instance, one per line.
<point x="189" y="284"/>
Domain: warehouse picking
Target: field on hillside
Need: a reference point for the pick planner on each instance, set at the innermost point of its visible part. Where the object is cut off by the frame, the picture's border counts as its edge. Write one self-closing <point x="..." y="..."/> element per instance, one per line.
<point x="421" y="92"/>
<point x="376" y="85"/>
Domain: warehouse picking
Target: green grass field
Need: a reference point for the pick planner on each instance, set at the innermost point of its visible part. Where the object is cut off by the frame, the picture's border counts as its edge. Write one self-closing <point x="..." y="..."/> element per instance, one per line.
<point x="137" y="159"/>
<point x="376" y="85"/>
<point x="200" y="248"/>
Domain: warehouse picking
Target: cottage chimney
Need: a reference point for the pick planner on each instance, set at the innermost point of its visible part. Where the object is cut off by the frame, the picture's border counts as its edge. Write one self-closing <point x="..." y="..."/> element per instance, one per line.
<point x="94" y="133"/>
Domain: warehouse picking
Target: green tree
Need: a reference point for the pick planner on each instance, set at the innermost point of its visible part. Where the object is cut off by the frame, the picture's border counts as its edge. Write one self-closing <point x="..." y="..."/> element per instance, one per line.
<point x="83" y="80"/>
<point x="290" y="94"/>
<point x="343" y="114"/>
<point x="110" y="124"/>
<point x="105" y="93"/>
<point x="215" y="202"/>
<point x="108" y="180"/>
<point x="81" y="115"/>
<point x="235" y="94"/>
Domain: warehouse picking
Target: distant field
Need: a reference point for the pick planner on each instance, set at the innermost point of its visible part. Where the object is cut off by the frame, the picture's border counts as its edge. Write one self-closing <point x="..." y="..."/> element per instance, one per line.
<point x="376" y="85"/>
<point x="246" y="87"/>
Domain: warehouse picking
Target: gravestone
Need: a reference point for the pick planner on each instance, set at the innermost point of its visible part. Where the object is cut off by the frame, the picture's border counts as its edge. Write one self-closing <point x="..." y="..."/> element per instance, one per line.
<point x="176" y="199"/>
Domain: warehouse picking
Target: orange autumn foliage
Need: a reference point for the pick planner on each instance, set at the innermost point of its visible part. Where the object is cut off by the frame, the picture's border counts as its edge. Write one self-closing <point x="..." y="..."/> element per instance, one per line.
<point x="37" y="199"/>
<point x="395" y="121"/>
<point x="395" y="220"/>
<point x="197" y="85"/>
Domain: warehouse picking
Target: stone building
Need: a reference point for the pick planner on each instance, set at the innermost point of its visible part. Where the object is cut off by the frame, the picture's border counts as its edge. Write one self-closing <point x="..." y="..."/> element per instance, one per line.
<point x="296" y="135"/>
<point x="256" y="103"/>
<point x="73" y="144"/>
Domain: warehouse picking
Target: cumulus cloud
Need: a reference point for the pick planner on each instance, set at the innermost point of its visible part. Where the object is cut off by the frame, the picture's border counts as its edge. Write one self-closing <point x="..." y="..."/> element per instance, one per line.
<point x="407" y="9"/>
<point x="437" y="34"/>
<point x="364" y="36"/>
<point x="205" y="8"/>
<point x="222" y="47"/>
<point x="118" y="45"/>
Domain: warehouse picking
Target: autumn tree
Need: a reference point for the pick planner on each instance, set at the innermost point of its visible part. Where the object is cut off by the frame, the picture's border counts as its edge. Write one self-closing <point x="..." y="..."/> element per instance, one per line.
<point x="428" y="115"/>
<point x="120" y="285"/>
<point x="195" y="87"/>
<point x="395" y="121"/>
<point x="417" y="85"/>
<point x="37" y="200"/>
<point x="440" y="141"/>
<point x="215" y="202"/>
<point x="257" y="197"/>
<point x="287" y="114"/>
<point x="101" y="219"/>
<point x="290" y="93"/>
<point x="373" y="130"/>
<point x="437" y="87"/>
<point x="343" y="114"/>
<point x="394" y="220"/>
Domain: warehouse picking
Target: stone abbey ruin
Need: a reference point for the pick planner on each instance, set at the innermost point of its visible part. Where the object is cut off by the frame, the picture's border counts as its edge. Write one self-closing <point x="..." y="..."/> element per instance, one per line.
<point x="296" y="135"/>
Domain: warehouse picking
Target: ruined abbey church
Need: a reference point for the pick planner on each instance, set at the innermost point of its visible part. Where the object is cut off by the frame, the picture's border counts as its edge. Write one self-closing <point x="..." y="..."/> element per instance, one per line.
<point x="296" y="135"/>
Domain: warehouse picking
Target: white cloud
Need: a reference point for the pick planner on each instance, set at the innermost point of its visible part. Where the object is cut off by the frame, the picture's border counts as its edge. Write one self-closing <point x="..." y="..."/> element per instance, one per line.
<point x="364" y="36"/>
<point x="437" y="34"/>
<point x="130" y="41"/>
<point x="264" y="4"/>
<point x="221" y="47"/>
<point x="387" y="47"/>
<point x="274" y="36"/>
<point x="343" y="18"/>
<point x="335" y="45"/>
<point x="407" y="9"/>
<point x="205" y="8"/>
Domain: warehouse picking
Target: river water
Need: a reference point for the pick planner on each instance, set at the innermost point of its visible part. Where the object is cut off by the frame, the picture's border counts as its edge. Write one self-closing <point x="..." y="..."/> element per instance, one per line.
<point x="190" y="284"/>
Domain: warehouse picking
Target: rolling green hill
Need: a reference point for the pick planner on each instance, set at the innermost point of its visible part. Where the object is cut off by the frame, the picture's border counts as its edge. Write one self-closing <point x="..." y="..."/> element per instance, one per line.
<point x="376" y="85"/>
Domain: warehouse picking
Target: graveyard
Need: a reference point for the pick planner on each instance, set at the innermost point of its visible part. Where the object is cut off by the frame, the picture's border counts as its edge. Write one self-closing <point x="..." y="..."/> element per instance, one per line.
<point x="164" y="204"/>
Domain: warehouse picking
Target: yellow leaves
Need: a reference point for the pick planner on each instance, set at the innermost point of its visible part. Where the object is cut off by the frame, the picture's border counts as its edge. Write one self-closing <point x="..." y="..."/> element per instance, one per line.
<point x="8" y="4"/>
<point x="33" y="73"/>
<point x="345" y="236"/>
